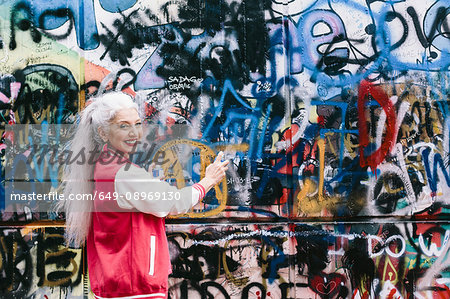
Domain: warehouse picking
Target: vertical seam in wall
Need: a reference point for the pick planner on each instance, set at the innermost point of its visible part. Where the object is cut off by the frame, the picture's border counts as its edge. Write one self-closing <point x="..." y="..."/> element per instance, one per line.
<point x="290" y="179"/>
<point x="82" y="78"/>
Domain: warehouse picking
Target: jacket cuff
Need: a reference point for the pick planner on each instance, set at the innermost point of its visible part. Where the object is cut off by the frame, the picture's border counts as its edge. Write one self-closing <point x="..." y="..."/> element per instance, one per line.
<point x="201" y="190"/>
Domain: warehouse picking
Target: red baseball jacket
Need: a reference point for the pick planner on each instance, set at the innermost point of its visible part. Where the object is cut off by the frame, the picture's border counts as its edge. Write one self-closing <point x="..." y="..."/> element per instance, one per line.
<point x="127" y="249"/>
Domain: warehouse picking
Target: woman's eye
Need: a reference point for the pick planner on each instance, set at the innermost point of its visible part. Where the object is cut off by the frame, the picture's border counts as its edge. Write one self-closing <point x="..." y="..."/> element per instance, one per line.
<point x="138" y="125"/>
<point x="123" y="126"/>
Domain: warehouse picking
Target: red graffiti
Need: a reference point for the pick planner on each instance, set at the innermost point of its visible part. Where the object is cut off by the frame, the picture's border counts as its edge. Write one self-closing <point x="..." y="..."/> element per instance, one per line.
<point x="364" y="296"/>
<point x="392" y="293"/>
<point x="327" y="284"/>
<point x="442" y="292"/>
<point x="366" y="89"/>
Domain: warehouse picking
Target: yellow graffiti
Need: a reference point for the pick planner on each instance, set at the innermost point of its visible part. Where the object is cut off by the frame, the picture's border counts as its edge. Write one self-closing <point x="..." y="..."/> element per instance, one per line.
<point x="14" y="252"/>
<point x="312" y="199"/>
<point x="243" y="147"/>
<point x="5" y="117"/>
<point x="82" y="101"/>
<point x="390" y="190"/>
<point x="265" y="250"/>
<point x="303" y="204"/>
<point x="61" y="281"/>
<point x="58" y="253"/>
<point x="350" y="145"/>
<point x="410" y="263"/>
<point x="418" y="166"/>
<point x="329" y="136"/>
<point x="316" y="203"/>
<point x="389" y="271"/>
<point x="278" y="136"/>
<point x="321" y="146"/>
<point x="39" y="116"/>
<point x="207" y="155"/>
<point x="236" y="281"/>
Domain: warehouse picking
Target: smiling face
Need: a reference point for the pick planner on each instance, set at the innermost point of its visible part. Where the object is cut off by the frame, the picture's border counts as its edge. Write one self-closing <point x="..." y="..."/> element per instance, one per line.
<point x="125" y="131"/>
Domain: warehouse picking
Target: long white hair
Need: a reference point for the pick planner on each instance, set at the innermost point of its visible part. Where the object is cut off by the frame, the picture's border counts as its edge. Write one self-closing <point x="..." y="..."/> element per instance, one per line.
<point x="78" y="177"/>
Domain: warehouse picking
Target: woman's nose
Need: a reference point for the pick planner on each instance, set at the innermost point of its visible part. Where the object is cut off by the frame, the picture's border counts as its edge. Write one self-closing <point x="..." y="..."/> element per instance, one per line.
<point x="133" y="131"/>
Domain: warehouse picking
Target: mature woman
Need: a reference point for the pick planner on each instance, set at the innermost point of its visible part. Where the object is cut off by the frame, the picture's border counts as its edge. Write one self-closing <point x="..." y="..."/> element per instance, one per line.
<point x="123" y="226"/>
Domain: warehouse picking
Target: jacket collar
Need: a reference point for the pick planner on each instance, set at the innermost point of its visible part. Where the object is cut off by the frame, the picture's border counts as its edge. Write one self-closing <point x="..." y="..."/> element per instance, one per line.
<point x="111" y="151"/>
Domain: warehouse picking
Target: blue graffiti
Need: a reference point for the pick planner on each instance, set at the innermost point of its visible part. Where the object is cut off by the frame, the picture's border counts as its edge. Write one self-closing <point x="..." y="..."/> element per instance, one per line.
<point x="342" y="130"/>
<point x="241" y="124"/>
<point x="278" y="259"/>
<point x="227" y="87"/>
<point x="432" y="174"/>
<point x="310" y="41"/>
<point x="147" y="78"/>
<point x="117" y="5"/>
<point x="50" y="15"/>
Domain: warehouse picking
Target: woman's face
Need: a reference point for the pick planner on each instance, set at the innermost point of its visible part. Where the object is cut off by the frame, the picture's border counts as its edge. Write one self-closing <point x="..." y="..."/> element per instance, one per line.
<point x="125" y="131"/>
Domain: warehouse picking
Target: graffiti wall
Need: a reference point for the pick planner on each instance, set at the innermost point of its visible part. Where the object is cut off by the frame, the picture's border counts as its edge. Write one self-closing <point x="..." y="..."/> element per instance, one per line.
<point x="333" y="115"/>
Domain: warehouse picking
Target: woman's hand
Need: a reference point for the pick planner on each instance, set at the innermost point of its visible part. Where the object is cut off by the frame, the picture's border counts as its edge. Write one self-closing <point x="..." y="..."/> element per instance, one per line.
<point x="214" y="173"/>
<point x="156" y="172"/>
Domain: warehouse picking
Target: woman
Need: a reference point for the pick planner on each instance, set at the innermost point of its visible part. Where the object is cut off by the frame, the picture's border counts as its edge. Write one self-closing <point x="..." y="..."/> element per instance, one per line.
<point x="124" y="225"/>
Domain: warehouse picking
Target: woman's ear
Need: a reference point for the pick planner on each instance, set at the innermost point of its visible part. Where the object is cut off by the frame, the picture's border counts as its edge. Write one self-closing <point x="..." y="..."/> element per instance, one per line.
<point x="102" y="134"/>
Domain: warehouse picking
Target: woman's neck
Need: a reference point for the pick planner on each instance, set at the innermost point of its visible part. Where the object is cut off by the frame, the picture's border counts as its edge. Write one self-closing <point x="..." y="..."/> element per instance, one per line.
<point x="116" y="152"/>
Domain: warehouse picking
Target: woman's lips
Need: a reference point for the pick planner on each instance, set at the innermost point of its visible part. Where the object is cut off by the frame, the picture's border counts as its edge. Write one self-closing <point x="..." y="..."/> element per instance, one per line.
<point x="130" y="142"/>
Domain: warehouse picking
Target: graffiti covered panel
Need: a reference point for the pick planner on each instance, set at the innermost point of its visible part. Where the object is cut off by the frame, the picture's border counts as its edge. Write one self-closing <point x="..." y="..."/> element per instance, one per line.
<point x="328" y="110"/>
<point x="304" y="260"/>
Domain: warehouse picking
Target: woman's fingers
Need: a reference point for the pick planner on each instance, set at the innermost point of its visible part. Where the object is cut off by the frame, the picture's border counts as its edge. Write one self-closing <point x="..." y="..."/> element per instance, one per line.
<point x="157" y="173"/>
<point x="216" y="171"/>
<point x="219" y="157"/>
<point x="150" y="168"/>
